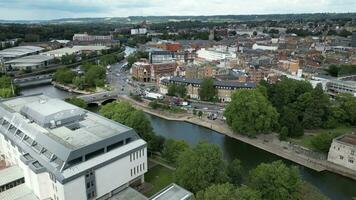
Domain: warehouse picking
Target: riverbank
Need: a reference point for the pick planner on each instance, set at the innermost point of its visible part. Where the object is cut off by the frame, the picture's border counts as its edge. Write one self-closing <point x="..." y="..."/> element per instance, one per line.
<point x="68" y="88"/>
<point x="269" y="143"/>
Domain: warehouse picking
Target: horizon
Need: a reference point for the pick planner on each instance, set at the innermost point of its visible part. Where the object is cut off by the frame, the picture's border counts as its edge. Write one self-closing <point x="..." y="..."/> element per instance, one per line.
<point x="42" y="10"/>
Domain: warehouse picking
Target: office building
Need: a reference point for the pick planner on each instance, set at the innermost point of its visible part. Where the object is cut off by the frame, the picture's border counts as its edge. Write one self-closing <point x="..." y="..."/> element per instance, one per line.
<point x="67" y="153"/>
<point x="86" y="37"/>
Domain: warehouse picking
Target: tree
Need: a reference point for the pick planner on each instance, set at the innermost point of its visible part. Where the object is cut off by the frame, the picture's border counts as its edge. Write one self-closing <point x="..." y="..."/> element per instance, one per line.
<point x="289" y="119"/>
<point x="124" y="113"/>
<point x="95" y="76"/>
<point x="7" y="89"/>
<point x="322" y="141"/>
<point x="79" y="82"/>
<point x="276" y="181"/>
<point x="207" y="91"/>
<point x="283" y="133"/>
<point x="171" y="90"/>
<point x="333" y="70"/>
<point x="64" y="76"/>
<point x="77" y="102"/>
<point x="234" y="171"/>
<point x="228" y="191"/>
<point x="200" y="167"/>
<point x="173" y="148"/>
<point x="250" y="113"/>
<point x="346" y="105"/>
<point x="200" y="113"/>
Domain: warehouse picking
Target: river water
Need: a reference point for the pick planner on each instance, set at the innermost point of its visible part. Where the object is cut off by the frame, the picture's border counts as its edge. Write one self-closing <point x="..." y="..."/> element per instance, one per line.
<point x="336" y="187"/>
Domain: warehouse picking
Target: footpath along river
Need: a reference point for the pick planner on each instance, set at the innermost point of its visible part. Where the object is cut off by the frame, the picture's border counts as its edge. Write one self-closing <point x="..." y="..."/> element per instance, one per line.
<point x="336" y="187"/>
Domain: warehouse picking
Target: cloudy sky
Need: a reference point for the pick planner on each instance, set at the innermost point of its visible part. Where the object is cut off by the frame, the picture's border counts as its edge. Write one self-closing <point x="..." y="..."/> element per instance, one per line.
<point x="53" y="9"/>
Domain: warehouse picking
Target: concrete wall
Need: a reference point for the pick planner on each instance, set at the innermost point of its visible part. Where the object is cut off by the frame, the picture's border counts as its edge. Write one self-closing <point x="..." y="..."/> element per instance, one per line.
<point x="343" y="154"/>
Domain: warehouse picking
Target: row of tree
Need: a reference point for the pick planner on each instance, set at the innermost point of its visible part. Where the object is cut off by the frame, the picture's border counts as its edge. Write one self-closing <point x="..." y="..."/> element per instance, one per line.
<point x="289" y="106"/>
<point x="202" y="170"/>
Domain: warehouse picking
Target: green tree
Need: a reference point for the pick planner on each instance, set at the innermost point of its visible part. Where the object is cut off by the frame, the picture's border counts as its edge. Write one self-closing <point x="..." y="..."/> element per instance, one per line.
<point x="322" y="141"/>
<point x="68" y="59"/>
<point x="79" y="82"/>
<point x="200" y="167"/>
<point x="173" y="148"/>
<point x="234" y="171"/>
<point x="346" y="104"/>
<point x="95" y="76"/>
<point x="64" y="76"/>
<point x="172" y="89"/>
<point x="78" y="102"/>
<point x="207" y="91"/>
<point x="333" y="70"/>
<point x="251" y="113"/>
<point x="7" y="89"/>
<point x="283" y="135"/>
<point x="289" y="118"/>
<point x="228" y="191"/>
<point x="276" y="181"/>
<point x="200" y="113"/>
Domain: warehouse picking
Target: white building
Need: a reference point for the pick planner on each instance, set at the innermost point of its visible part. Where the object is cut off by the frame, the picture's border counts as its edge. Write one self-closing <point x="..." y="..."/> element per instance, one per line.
<point x="215" y="54"/>
<point x="138" y="31"/>
<point x="67" y="153"/>
<point x="59" y="53"/>
<point x="85" y="37"/>
<point x="265" y="48"/>
<point x="17" y="52"/>
<point x="32" y="62"/>
<point x="343" y="151"/>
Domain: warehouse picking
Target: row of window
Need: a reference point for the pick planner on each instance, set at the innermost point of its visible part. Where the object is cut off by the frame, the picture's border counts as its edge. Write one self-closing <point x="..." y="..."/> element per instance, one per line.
<point x="138" y="169"/>
<point x="11" y="185"/>
<point x="137" y="154"/>
<point x="352" y="152"/>
<point x="350" y="160"/>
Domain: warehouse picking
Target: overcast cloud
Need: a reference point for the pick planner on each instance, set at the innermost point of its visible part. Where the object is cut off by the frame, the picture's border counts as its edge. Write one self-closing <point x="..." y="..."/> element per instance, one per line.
<point x="54" y="9"/>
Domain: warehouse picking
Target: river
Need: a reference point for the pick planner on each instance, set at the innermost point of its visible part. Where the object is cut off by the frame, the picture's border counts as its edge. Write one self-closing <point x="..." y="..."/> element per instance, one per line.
<point x="336" y="187"/>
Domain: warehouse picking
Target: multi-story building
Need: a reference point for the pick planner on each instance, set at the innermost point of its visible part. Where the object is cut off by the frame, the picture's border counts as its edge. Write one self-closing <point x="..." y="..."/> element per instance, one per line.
<point x="86" y="37"/>
<point x="66" y="152"/>
<point x="290" y="66"/>
<point x="141" y="71"/>
<point x="162" y="69"/>
<point x="335" y="86"/>
<point x="213" y="54"/>
<point x="139" y="31"/>
<point x="161" y="57"/>
<point x="225" y="89"/>
<point x="343" y="151"/>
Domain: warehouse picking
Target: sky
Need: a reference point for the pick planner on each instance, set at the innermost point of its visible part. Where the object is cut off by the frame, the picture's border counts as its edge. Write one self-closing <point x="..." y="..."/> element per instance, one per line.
<point x="55" y="9"/>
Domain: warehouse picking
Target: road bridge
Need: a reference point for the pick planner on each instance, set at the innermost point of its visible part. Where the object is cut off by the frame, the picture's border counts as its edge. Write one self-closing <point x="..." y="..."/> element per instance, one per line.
<point x="100" y="98"/>
<point x="33" y="80"/>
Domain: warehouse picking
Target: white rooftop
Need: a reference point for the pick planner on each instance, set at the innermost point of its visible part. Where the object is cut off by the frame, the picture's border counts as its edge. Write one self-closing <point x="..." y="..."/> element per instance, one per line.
<point x="65" y="50"/>
<point x="20" y="192"/>
<point x="19" y="51"/>
<point x="31" y="59"/>
<point x="10" y="174"/>
<point x="90" y="48"/>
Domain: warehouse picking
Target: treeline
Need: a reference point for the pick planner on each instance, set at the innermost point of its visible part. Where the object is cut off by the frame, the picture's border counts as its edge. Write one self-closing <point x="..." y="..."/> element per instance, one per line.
<point x="203" y="170"/>
<point x="288" y="107"/>
<point x="7" y="89"/>
<point x="341" y="70"/>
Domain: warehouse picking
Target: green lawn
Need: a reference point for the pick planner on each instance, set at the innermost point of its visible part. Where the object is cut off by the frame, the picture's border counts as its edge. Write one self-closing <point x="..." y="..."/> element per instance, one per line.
<point x="159" y="177"/>
<point x="305" y="140"/>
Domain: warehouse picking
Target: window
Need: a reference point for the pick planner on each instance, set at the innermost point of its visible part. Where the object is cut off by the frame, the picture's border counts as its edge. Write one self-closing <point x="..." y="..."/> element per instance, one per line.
<point x="143" y="166"/>
<point x="351" y="161"/>
<point x="352" y="152"/>
<point x="341" y="157"/>
<point x="115" y="145"/>
<point x="131" y="172"/>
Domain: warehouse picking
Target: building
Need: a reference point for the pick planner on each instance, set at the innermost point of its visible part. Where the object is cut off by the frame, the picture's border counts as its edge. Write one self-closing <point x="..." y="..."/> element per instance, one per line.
<point x="264" y="47"/>
<point x="343" y="151"/>
<point x="225" y="89"/>
<point x="290" y="66"/>
<point x="162" y="69"/>
<point x="90" y="38"/>
<point x="213" y="54"/>
<point x="139" y="31"/>
<point x="173" y="192"/>
<point x="32" y="62"/>
<point x="66" y="152"/>
<point x="346" y="85"/>
<point x="59" y="53"/>
<point x="353" y="39"/>
<point x="8" y="43"/>
<point x="198" y="72"/>
<point x="156" y="57"/>
<point x="141" y="71"/>
<point x="21" y="51"/>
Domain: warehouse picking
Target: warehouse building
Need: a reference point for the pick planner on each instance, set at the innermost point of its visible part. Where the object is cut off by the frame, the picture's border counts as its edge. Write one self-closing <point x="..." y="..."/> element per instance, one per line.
<point x="17" y="52"/>
<point x="32" y="62"/>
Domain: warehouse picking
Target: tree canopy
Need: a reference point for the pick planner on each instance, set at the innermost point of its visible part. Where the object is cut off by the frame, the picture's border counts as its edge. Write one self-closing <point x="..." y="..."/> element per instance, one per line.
<point x="78" y="102"/>
<point x="200" y="167"/>
<point x="207" y="91"/>
<point x="276" y="181"/>
<point x="228" y="191"/>
<point x="250" y="113"/>
<point x="173" y="148"/>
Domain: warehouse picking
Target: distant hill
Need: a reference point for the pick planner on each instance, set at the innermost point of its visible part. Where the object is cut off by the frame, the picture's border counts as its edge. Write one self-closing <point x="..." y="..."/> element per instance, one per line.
<point x="213" y="18"/>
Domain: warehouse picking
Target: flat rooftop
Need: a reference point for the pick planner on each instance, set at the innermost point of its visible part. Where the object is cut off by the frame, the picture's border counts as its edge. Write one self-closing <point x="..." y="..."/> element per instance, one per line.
<point x="65" y="50"/>
<point x="128" y="194"/>
<point x="173" y="192"/>
<point x="42" y="109"/>
<point x="30" y="59"/>
<point x="19" y="51"/>
<point x="10" y="174"/>
<point x="20" y="192"/>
